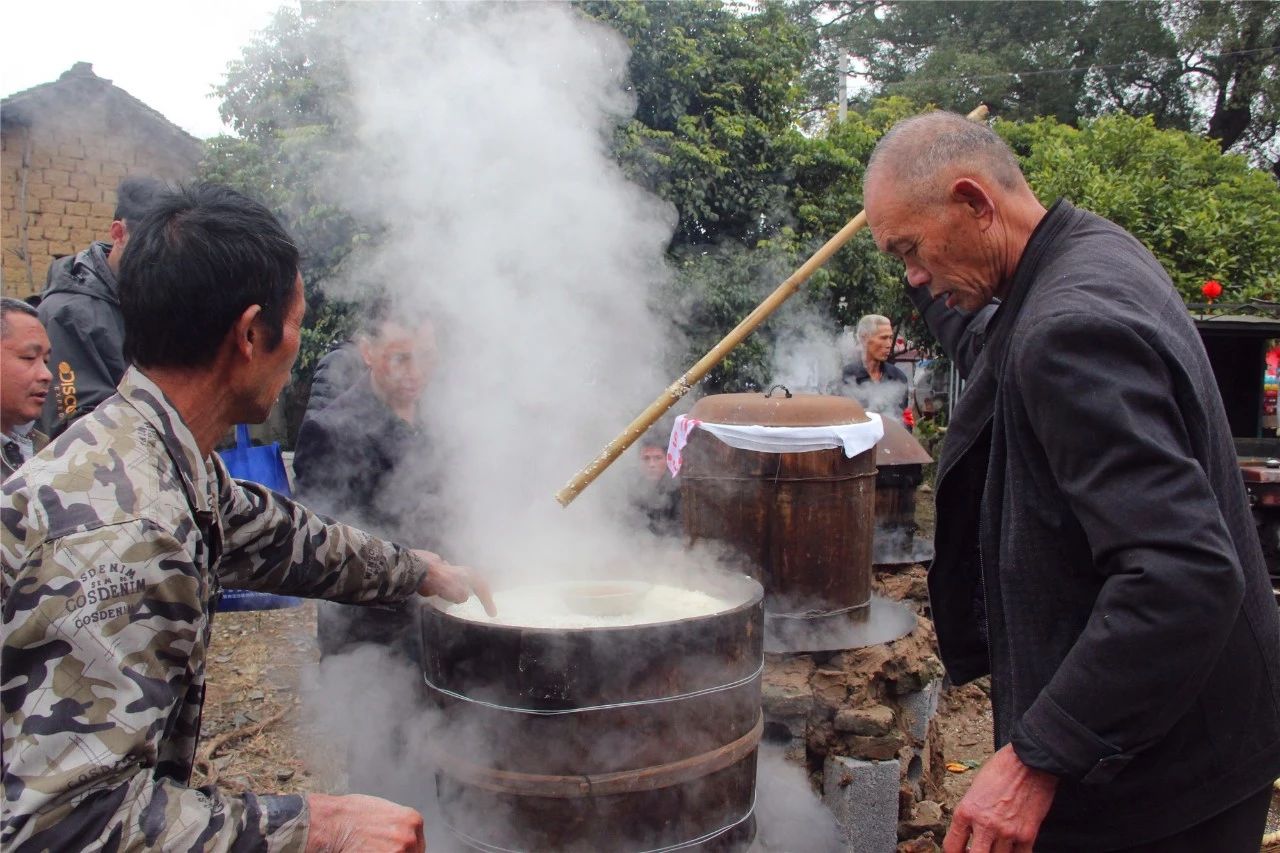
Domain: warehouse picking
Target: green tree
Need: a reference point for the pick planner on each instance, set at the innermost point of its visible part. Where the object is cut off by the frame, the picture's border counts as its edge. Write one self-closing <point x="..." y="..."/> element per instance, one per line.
<point x="1202" y="213"/>
<point x="286" y="99"/>
<point x="1192" y="64"/>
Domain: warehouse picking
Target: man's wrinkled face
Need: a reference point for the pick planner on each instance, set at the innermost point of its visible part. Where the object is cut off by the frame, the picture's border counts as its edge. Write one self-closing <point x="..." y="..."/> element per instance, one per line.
<point x="879" y="343"/>
<point x="401" y="362"/>
<point x="941" y="246"/>
<point x="24" y="369"/>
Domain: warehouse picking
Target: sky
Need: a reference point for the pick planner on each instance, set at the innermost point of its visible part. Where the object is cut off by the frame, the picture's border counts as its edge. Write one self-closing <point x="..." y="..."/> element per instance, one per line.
<point x="168" y="55"/>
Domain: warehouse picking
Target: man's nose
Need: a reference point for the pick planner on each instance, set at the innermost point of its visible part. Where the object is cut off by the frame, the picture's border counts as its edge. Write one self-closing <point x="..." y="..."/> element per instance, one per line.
<point x="44" y="377"/>
<point x="917" y="276"/>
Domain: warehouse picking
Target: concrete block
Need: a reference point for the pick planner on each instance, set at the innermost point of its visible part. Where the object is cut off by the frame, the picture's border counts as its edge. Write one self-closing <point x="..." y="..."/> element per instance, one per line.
<point x="918" y="709"/>
<point x="863" y="797"/>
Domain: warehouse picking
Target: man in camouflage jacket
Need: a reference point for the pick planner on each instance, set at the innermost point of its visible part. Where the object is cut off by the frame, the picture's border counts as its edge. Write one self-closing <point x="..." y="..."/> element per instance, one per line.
<point x="117" y="541"/>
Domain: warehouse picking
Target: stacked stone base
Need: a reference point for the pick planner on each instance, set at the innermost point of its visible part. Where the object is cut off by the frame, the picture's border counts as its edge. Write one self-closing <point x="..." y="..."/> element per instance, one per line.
<point x="859" y="721"/>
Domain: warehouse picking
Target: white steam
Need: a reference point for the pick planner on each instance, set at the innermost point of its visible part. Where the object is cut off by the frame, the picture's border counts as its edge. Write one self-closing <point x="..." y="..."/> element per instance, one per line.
<point x="484" y="146"/>
<point x="484" y="149"/>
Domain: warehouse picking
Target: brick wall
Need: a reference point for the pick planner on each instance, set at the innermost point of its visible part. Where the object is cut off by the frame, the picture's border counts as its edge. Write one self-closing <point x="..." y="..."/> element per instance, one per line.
<point x="58" y="179"/>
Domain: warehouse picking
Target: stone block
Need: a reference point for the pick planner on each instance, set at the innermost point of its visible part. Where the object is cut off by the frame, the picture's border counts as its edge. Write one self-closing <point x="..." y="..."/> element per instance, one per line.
<point x="39" y="189"/>
<point x="880" y="748"/>
<point x="81" y="181"/>
<point x="102" y="210"/>
<point x="55" y="177"/>
<point x="66" y="193"/>
<point x="863" y="797"/>
<point x="79" y="208"/>
<point x="926" y="816"/>
<point x="75" y="222"/>
<point x="830" y="688"/>
<point x="872" y="722"/>
<point x="918" y="709"/>
<point x="786" y="699"/>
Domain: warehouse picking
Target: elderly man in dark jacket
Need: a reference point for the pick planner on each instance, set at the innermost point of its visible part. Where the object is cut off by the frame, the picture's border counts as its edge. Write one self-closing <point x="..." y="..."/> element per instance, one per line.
<point x="365" y="459"/>
<point x="1095" y="550"/>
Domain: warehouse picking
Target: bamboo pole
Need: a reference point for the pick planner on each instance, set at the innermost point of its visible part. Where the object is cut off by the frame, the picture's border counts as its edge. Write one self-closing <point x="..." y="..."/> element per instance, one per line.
<point x="695" y="374"/>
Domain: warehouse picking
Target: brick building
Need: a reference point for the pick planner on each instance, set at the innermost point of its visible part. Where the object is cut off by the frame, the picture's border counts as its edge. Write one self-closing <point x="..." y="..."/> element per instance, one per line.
<point x="64" y="147"/>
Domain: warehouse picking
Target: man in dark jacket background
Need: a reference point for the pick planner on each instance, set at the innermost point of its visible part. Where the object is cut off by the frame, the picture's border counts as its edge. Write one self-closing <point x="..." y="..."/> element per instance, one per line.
<point x="80" y="308"/>
<point x="1095" y="550"/>
<point x="871" y="378"/>
<point x="364" y="458"/>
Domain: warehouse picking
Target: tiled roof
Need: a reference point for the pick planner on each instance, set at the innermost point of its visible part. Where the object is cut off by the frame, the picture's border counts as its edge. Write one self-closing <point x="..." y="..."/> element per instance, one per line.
<point x="81" y="82"/>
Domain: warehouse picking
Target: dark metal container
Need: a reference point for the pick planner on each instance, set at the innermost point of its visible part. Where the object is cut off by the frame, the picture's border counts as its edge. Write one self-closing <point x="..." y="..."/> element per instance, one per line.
<point x="802" y="521"/>
<point x="632" y="739"/>
<point x="900" y="461"/>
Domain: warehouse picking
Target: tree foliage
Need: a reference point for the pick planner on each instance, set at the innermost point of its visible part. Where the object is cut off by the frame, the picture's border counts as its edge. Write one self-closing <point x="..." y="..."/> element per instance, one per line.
<point x="1203" y="214"/>
<point x="725" y="131"/>
<point x="1203" y="65"/>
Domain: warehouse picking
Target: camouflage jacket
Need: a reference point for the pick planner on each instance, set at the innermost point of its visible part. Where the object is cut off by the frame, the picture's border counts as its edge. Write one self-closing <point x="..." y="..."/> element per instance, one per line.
<point x="116" y="542"/>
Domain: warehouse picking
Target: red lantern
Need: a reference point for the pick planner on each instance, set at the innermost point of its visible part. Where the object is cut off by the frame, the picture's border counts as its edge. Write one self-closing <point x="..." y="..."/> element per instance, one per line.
<point x="1211" y="290"/>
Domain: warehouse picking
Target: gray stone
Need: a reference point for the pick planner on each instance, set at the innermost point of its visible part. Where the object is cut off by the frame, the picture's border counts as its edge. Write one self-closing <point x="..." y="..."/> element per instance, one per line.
<point x="918" y="709"/>
<point x="863" y="797"/>
<point x="870" y="722"/>
<point x="786" y="699"/>
<point x="926" y="816"/>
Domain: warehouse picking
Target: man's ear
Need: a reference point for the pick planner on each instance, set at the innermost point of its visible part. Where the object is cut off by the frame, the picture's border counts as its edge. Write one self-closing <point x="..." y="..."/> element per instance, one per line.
<point x="246" y="332"/>
<point x="365" y="346"/>
<point x="117" y="231"/>
<point x="975" y="197"/>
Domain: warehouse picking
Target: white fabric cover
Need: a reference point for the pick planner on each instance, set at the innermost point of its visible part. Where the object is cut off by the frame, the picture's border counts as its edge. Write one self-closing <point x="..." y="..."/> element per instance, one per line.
<point x="854" y="438"/>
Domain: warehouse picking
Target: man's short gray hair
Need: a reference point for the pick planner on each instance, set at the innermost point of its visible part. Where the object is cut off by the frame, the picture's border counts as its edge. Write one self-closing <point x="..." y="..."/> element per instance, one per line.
<point x="916" y="150"/>
<point x="9" y="305"/>
<point x="868" y="324"/>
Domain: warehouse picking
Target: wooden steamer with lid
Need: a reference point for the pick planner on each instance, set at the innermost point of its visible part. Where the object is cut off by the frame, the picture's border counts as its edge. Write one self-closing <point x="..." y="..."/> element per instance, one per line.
<point x="803" y="522"/>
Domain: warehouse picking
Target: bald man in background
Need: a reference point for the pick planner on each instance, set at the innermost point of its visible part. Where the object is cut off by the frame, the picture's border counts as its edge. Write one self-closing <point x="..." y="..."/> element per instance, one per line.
<point x="1095" y="552"/>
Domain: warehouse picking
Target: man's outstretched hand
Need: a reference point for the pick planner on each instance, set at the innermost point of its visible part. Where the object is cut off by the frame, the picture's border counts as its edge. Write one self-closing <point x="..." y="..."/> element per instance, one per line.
<point x="454" y="583"/>
<point x="1003" y="809"/>
<point x="359" y="824"/>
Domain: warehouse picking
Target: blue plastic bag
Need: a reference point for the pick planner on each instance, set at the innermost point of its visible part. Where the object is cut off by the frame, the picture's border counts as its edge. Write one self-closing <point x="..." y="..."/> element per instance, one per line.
<point x="265" y="465"/>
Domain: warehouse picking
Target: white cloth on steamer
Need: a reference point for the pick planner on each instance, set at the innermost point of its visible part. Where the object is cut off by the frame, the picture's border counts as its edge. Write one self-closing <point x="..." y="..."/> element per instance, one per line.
<point x="853" y="438"/>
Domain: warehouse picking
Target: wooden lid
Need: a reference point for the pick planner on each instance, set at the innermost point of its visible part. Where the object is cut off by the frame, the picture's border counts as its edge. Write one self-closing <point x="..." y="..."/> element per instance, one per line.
<point x="899" y="447"/>
<point x="778" y="409"/>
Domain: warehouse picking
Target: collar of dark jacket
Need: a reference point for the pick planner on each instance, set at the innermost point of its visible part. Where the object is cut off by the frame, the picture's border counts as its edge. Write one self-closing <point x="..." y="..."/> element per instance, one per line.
<point x="975" y="406"/>
<point x="1039" y="246"/>
<point x="88" y="273"/>
<point x="156" y="409"/>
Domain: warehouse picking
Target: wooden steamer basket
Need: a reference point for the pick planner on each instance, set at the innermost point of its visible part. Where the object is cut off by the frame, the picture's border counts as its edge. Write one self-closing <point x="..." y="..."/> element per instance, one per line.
<point x="802" y="521"/>
<point x="632" y="739"/>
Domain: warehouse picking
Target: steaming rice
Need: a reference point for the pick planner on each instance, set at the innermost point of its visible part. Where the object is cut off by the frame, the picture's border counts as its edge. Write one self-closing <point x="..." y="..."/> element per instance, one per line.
<point x="547" y="606"/>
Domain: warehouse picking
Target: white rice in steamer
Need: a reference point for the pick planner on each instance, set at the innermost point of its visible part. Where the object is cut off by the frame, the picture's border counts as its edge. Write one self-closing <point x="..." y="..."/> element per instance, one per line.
<point x="545" y="606"/>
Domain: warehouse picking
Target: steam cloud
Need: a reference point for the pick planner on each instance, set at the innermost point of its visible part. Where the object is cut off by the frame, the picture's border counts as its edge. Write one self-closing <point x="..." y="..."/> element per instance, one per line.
<point x="483" y="146"/>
